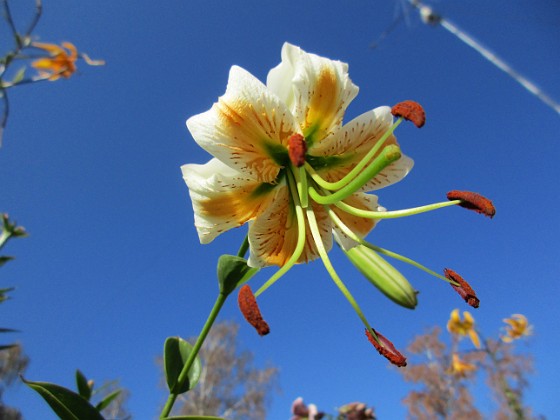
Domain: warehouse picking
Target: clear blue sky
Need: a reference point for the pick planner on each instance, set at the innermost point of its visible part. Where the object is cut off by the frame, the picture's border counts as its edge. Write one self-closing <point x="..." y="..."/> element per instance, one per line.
<point x="90" y="166"/>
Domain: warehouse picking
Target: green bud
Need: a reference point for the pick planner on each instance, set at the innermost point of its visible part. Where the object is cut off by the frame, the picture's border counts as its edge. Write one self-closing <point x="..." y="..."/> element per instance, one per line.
<point x="383" y="276"/>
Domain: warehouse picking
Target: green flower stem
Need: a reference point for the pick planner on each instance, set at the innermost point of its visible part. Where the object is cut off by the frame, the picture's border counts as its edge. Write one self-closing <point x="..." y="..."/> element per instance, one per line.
<point x="183" y="376"/>
<point x="300" y="241"/>
<point x="244" y="247"/>
<point x="333" y="186"/>
<point x="388" y="155"/>
<point x="347" y="231"/>
<point x="328" y="265"/>
<point x="367" y="214"/>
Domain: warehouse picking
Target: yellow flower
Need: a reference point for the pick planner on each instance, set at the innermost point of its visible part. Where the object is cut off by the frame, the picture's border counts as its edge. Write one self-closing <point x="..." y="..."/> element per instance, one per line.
<point x="463" y="327"/>
<point x="460" y="368"/>
<point x="517" y="327"/>
<point x="60" y="63"/>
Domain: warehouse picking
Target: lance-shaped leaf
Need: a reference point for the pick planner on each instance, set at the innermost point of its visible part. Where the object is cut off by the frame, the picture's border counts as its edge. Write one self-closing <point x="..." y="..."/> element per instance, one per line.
<point x="104" y="403"/>
<point x="83" y="387"/>
<point x="65" y="403"/>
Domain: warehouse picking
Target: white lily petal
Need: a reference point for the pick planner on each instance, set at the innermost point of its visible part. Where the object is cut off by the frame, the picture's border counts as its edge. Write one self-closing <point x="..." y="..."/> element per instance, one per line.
<point x="354" y="141"/>
<point x="393" y="173"/>
<point x="273" y="234"/>
<point x="359" y="225"/>
<point x="247" y="129"/>
<point x="223" y="198"/>
<point x="317" y="90"/>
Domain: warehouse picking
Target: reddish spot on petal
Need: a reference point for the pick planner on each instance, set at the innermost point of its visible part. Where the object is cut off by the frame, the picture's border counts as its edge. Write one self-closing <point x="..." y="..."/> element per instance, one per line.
<point x="250" y="310"/>
<point x="411" y="111"/>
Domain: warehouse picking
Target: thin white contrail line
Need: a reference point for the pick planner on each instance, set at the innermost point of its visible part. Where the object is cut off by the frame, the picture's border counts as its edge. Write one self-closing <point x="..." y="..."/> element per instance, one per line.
<point x="429" y="17"/>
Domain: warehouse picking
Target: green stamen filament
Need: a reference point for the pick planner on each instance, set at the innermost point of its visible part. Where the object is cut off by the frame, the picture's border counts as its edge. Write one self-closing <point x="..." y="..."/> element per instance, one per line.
<point x="333" y="186"/>
<point x="300" y="240"/>
<point x="326" y="261"/>
<point x="388" y="155"/>
<point x="368" y="214"/>
<point x="301" y="182"/>
<point x="347" y="231"/>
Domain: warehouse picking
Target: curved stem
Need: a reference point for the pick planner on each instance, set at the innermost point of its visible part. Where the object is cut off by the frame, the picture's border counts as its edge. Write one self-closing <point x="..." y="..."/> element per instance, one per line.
<point x="244" y="247"/>
<point x="183" y="376"/>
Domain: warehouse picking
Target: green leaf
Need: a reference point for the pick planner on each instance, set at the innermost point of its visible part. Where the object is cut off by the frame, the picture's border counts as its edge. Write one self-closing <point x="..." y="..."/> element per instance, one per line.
<point x="7" y="330"/>
<point x="65" y="403"/>
<point x="104" y="403"/>
<point x="176" y="351"/>
<point x="4" y="259"/>
<point x="83" y="387"/>
<point x="233" y="271"/>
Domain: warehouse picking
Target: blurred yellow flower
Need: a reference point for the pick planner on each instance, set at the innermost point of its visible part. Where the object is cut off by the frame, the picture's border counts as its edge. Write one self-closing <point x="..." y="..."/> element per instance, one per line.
<point x="463" y="327"/>
<point x="61" y="62"/>
<point x="460" y="368"/>
<point x="517" y="327"/>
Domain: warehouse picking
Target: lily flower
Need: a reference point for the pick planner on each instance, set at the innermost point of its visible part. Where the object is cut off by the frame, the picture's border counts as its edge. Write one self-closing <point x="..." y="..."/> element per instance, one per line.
<point x="463" y="327"/>
<point x="251" y="131"/>
<point x="61" y="63"/>
<point x="285" y="164"/>
<point x="517" y="327"/>
<point x="460" y="368"/>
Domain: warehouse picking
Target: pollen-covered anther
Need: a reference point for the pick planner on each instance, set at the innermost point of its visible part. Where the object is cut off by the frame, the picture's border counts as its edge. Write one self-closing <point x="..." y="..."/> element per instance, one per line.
<point x="410" y="111"/>
<point x="464" y="289"/>
<point x="297" y="147"/>
<point x="386" y="349"/>
<point x="250" y="310"/>
<point x="473" y="201"/>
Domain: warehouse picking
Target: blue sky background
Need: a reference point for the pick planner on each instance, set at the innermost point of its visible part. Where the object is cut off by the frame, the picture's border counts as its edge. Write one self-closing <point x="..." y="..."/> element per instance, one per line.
<point x="112" y="266"/>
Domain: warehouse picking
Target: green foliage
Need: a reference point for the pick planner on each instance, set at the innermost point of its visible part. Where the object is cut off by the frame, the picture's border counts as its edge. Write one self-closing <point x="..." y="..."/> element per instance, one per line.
<point x="9" y="230"/>
<point x="65" y="403"/>
<point x="68" y="404"/>
<point x="233" y="271"/>
<point x="176" y="353"/>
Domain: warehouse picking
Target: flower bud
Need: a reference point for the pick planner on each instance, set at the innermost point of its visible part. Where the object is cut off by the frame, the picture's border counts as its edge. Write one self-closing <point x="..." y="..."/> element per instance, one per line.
<point x="383" y="276"/>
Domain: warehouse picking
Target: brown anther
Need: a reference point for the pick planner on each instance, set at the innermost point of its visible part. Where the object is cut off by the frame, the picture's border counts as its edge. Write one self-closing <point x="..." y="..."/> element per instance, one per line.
<point x="473" y="201"/>
<point x="250" y="310"/>
<point x="386" y="349"/>
<point x="464" y="289"/>
<point x="410" y="111"/>
<point x="297" y="147"/>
